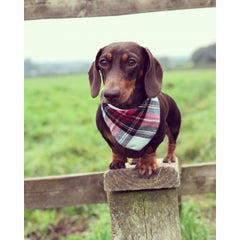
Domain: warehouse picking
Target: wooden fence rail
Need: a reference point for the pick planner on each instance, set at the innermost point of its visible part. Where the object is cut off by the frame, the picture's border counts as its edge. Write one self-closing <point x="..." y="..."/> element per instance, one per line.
<point x="72" y="190"/>
<point x="43" y="9"/>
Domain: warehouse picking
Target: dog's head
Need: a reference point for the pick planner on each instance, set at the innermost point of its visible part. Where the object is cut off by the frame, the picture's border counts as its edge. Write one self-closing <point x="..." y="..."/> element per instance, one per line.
<point x="130" y="74"/>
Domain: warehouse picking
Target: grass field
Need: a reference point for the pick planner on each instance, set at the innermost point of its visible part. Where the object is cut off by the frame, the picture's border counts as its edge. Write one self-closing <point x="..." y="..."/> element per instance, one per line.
<point x="61" y="138"/>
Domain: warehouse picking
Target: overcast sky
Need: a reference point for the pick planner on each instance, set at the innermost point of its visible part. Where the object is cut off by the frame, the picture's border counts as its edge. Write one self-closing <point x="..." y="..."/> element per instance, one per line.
<point x="167" y="33"/>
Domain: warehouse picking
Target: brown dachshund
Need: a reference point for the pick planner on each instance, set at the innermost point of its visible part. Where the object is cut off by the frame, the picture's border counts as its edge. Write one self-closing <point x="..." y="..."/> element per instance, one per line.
<point x="134" y="115"/>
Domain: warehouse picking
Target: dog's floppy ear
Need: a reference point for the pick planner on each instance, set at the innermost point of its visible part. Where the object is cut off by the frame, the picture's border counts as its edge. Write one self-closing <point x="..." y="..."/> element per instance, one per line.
<point x="94" y="77"/>
<point x="153" y="75"/>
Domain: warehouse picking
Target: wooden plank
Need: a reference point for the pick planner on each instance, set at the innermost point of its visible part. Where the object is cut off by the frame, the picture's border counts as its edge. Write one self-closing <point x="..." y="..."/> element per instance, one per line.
<point x="43" y="9"/>
<point x="141" y="215"/>
<point x="61" y="191"/>
<point x="128" y="179"/>
<point x="198" y="178"/>
<point x="71" y="190"/>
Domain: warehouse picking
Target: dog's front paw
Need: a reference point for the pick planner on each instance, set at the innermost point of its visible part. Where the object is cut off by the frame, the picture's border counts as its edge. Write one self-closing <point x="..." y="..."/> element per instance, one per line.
<point x="116" y="165"/>
<point x="118" y="161"/>
<point x="146" y="168"/>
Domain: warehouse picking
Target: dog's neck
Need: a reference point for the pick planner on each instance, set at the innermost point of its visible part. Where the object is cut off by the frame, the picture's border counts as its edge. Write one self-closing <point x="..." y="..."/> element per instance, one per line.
<point x="127" y="106"/>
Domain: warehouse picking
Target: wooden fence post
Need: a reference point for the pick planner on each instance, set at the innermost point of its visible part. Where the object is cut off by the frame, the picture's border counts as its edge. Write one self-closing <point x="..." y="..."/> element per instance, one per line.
<point x="143" y="208"/>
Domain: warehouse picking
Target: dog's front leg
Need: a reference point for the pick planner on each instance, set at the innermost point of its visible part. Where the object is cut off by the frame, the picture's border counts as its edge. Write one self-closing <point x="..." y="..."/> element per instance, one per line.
<point x="147" y="164"/>
<point x="118" y="161"/>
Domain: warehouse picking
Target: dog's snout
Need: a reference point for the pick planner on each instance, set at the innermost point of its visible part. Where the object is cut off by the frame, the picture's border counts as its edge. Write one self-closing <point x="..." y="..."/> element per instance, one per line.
<point x="111" y="95"/>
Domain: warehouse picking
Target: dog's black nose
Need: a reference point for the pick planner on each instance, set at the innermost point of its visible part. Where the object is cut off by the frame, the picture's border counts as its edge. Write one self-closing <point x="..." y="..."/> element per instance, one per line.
<point x="111" y="95"/>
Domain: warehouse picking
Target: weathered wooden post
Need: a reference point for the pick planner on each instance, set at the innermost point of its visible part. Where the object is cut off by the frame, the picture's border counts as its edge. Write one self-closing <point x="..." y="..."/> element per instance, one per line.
<point x="143" y="208"/>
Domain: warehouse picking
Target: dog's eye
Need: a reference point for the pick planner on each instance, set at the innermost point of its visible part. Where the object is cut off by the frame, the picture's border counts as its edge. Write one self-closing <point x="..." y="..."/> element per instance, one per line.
<point x="131" y="62"/>
<point x="103" y="62"/>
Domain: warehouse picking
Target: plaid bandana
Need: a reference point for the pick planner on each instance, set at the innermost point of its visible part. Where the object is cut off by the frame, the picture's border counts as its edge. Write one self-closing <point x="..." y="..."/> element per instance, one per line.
<point x="133" y="128"/>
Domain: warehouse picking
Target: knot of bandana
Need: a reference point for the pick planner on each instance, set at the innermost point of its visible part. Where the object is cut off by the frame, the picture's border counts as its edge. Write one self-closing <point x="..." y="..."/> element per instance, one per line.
<point x="133" y="128"/>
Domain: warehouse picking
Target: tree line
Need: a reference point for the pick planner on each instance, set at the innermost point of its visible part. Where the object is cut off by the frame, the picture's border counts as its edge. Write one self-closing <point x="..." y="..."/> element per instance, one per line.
<point x="203" y="57"/>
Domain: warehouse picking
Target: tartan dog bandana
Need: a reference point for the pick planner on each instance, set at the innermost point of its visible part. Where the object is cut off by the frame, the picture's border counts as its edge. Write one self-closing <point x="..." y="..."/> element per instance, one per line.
<point x="133" y="128"/>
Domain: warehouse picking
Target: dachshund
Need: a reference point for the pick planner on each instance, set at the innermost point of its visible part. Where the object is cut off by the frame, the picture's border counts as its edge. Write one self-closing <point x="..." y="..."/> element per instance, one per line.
<point x="134" y="115"/>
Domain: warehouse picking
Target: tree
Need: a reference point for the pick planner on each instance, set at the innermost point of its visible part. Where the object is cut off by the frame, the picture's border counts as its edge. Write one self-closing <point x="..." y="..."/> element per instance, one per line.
<point x="29" y="67"/>
<point x="205" y="55"/>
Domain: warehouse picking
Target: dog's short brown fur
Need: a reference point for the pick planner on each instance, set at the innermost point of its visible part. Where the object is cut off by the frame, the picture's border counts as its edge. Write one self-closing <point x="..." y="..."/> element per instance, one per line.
<point x="130" y="75"/>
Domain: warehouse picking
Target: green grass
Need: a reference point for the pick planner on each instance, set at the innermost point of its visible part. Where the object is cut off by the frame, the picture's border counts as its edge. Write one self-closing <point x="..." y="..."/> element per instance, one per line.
<point x="60" y="132"/>
<point x="61" y="138"/>
<point x="194" y="224"/>
<point x="84" y="222"/>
